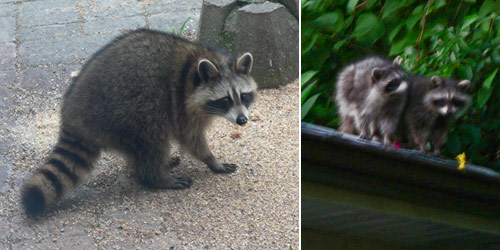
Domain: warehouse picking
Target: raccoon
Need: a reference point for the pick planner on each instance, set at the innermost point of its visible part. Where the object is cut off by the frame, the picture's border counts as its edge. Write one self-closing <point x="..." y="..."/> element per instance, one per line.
<point x="370" y="96"/>
<point x="136" y="95"/>
<point x="432" y="105"/>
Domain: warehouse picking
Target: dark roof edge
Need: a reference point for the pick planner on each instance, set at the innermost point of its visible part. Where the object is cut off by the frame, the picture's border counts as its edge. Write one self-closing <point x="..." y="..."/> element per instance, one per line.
<point x="344" y="161"/>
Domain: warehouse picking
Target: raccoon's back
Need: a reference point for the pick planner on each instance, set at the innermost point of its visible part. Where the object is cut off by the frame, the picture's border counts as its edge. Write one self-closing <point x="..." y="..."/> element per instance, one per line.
<point x="353" y="82"/>
<point x="129" y="83"/>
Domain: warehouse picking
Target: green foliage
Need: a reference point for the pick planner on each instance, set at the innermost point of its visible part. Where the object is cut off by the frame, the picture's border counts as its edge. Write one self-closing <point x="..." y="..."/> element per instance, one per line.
<point x="457" y="39"/>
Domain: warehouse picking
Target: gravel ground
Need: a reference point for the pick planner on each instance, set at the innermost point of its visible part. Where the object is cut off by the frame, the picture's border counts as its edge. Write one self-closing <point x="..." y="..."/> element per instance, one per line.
<point x="256" y="207"/>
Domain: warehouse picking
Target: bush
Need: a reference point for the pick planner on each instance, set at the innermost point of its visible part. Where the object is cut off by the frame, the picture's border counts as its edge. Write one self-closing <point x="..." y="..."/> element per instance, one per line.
<point x="457" y="39"/>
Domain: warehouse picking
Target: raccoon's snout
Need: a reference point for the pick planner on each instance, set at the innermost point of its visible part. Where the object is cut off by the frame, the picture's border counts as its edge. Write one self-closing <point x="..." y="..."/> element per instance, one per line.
<point x="241" y="120"/>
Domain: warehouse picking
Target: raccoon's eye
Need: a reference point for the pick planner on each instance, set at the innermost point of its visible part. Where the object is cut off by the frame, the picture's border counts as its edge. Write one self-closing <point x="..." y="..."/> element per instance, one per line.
<point x="457" y="103"/>
<point x="393" y="85"/>
<point x="439" y="103"/>
<point x="218" y="106"/>
<point x="247" y="98"/>
<point x="226" y="102"/>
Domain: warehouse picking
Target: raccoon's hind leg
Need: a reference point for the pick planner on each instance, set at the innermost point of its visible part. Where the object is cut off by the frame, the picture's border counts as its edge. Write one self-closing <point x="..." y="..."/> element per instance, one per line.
<point x="347" y="125"/>
<point x="198" y="146"/>
<point x="151" y="164"/>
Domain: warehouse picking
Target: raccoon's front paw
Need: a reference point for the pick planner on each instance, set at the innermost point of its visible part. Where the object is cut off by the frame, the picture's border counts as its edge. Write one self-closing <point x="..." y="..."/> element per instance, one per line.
<point x="174" y="161"/>
<point x="364" y="136"/>
<point x="224" y="168"/>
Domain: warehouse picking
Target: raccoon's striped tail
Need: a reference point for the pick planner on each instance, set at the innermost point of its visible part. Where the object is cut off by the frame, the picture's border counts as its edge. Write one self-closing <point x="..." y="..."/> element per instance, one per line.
<point x="68" y="163"/>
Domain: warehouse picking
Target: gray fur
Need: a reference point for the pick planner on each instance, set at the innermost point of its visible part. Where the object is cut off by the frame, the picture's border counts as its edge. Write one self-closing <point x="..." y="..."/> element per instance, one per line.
<point x="367" y="105"/>
<point x="425" y="121"/>
<point x="135" y="96"/>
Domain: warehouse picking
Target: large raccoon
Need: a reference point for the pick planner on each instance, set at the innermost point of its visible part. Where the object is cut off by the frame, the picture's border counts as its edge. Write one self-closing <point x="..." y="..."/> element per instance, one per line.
<point x="135" y="95"/>
<point x="370" y="96"/>
<point x="432" y="105"/>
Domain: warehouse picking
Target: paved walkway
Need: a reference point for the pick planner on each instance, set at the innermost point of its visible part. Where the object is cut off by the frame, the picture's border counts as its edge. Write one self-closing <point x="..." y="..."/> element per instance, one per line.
<point x="41" y="43"/>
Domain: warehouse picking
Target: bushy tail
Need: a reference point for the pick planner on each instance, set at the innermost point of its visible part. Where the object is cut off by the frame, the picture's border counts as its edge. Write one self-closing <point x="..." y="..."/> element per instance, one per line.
<point x="68" y="163"/>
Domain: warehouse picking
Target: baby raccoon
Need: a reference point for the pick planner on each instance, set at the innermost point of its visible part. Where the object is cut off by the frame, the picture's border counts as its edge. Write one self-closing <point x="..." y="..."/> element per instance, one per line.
<point x="432" y="105"/>
<point x="136" y="95"/>
<point x="370" y="95"/>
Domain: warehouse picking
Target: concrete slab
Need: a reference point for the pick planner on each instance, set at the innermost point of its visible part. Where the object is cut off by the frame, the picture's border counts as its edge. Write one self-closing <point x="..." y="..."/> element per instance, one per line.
<point x="7" y="56"/>
<point x="104" y="27"/>
<point x="7" y="29"/>
<point x="8" y="9"/>
<point x="59" y="50"/>
<point x="47" y="12"/>
<point x="160" y="6"/>
<point x="96" y="9"/>
<point x="49" y="32"/>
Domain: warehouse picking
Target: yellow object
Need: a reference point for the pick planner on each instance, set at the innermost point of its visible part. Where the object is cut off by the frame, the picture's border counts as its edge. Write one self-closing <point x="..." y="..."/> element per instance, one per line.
<point x="461" y="161"/>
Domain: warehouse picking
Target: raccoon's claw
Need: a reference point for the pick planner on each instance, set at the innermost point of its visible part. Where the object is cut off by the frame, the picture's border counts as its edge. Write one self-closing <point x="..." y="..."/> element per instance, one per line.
<point x="224" y="169"/>
<point x="174" y="161"/>
<point x="366" y="137"/>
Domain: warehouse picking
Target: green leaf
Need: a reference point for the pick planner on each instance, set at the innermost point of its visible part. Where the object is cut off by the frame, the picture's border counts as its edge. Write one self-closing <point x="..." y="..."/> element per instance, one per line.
<point x="306" y="47"/>
<point x="364" y="24"/>
<point x="468" y="20"/>
<point x="391" y="6"/>
<point x="395" y="31"/>
<point x="307" y="106"/>
<point x="487" y="7"/>
<point x="306" y="76"/>
<point x="439" y="4"/>
<point x="305" y="93"/>
<point x="351" y="5"/>
<point x="489" y="79"/>
<point x="339" y="44"/>
<point x="407" y="40"/>
<point x="465" y="71"/>
<point x="411" y="21"/>
<point x="370" y="3"/>
<point x="332" y="21"/>
<point x="368" y="28"/>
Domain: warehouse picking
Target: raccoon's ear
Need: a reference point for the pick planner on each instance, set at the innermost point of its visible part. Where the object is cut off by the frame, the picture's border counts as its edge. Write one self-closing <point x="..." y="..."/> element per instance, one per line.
<point x="464" y="85"/>
<point x="207" y="70"/>
<point x="244" y="64"/>
<point x="436" y="81"/>
<point x="398" y="61"/>
<point x="377" y="74"/>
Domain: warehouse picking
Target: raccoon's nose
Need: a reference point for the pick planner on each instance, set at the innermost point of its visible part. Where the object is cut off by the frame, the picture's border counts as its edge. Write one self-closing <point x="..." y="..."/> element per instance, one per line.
<point x="241" y="120"/>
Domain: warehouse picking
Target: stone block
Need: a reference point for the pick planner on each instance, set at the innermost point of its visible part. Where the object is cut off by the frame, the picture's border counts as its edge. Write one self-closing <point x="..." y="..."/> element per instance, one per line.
<point x="7" y="29"/>
<point x="96" y="9"/>
<point x="7" y="56"/>
<point x="43" y="79"/>
<point x="265" y="29"/>
<point x="7" y="78"/>
<point x="213" y="18"/>
<point x="292" y="6"/>
<point x="271" y="34"/>
<point x="60" y="50"/>
<point x="8" y="9"/>
<point x="161" y="6"/>
<point x="48" y="12"/>
<point x="49" y="32"/>
<point x="106" y="27"/>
